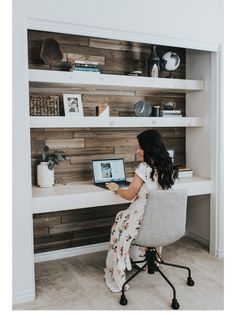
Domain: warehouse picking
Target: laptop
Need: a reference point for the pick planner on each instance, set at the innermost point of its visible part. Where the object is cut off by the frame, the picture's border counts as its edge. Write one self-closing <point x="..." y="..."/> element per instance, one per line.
<point x="109" y="170"/>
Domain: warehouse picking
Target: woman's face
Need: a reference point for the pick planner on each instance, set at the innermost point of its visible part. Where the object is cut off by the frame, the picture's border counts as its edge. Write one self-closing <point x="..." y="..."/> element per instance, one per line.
<point x="140" y="153"/>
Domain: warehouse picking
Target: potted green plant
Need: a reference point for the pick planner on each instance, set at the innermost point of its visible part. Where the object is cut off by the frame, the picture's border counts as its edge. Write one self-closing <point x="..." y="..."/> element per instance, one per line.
<point x="46" y="162"/>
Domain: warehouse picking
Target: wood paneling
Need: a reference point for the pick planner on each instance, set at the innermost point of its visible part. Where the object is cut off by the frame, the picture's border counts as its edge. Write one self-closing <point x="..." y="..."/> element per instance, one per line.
<point x="72" y="228"/>
<point x="120" y="56"/>
<point x="95" y="143"/>
<point x="65" y="143"/>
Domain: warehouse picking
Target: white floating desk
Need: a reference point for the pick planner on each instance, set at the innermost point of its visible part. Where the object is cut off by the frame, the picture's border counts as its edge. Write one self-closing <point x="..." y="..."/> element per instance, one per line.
<point x="77" y="195"/>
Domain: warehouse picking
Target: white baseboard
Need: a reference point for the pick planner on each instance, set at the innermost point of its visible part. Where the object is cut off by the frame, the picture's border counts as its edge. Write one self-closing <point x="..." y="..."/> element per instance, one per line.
<point x="198" y="238"/>
<point x="70" y="252"/>
<point x="20" y="298"/>
<point x="220" y="253"/>
<point x="82" y="250"/>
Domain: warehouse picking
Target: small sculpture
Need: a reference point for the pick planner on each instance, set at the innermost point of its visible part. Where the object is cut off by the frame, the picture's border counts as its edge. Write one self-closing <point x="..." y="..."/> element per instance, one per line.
<point x="170" y="62"/>
<point x="51" y="53"/>
<point x="102" y="110"/>
<point x="154" y="63"/>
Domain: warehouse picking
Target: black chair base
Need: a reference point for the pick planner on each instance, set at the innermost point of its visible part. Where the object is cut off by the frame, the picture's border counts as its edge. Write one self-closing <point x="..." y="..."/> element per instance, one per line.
<point x="152" y="261"/>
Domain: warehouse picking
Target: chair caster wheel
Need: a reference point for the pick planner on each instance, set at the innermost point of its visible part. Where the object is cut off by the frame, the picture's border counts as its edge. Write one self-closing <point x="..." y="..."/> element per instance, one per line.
<point x="190" y="281"/>
<point x="175" y="304"/>
<point x="123" y="300"/>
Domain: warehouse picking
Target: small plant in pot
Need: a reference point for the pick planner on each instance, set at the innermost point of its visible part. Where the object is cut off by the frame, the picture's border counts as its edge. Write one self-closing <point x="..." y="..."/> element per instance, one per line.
<point x="46" y="162"/>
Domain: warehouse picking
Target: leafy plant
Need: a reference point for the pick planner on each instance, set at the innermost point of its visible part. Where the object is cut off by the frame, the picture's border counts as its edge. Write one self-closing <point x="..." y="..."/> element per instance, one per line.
<point x="52" y="158"/>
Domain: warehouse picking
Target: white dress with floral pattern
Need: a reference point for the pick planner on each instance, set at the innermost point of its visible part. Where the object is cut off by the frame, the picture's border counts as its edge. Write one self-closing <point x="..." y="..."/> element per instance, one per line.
<point x="124" y="231"/>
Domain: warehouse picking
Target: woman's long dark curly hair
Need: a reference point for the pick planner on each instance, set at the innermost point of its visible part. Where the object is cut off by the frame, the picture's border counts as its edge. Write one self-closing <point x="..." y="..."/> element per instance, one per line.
<point x="157" y="157"/>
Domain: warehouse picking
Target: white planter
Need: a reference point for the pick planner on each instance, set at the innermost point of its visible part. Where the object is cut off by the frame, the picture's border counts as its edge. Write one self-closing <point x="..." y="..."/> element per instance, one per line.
<point x="45" y="176"/>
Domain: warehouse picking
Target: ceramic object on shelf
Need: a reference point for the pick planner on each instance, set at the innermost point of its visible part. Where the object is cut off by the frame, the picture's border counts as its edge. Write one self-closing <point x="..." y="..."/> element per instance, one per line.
<point x="156" y="110"/>
<point x="170" y="105"/>
<point x="45" y="176"/>
<point x="51" y="53"/>
<point x="154" y="63"/>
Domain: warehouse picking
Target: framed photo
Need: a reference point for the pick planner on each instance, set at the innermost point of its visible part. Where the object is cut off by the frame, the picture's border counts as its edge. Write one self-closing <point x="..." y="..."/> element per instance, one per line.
<point x="73" y="104"/>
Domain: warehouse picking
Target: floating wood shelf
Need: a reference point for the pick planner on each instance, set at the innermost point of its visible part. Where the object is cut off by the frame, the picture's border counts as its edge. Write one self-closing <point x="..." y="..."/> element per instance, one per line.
<point x="77" y="122"/>
<point x="93" y="81"/>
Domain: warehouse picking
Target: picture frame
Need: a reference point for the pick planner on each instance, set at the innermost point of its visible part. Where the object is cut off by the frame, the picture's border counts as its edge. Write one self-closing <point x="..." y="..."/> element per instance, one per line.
<point x="73" y="105"/>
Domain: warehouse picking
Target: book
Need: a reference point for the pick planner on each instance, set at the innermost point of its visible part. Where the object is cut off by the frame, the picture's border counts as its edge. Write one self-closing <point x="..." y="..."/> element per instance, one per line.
<point x="82" y="69"/>
<point x="171" y="115"/>
<point x="84" y="65"/>
<point x="86" y="62"/>
<point x="185" y="172"/>
<point x="171" y="111"/>
<point x="168" y="113"/>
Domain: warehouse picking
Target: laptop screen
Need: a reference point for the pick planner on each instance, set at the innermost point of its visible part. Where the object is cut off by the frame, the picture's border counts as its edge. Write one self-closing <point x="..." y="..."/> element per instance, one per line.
<point x="108" y="170"/>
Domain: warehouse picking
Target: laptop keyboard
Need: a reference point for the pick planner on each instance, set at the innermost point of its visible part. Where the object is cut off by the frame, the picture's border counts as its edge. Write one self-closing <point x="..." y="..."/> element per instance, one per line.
<point x="122" y="184"/>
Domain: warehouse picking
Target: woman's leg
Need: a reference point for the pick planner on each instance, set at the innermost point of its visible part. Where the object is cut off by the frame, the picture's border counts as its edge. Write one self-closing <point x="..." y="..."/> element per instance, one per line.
<point x="123" y="232"/>
<point x="137" y="253"/>
<point x="116" y="261"/>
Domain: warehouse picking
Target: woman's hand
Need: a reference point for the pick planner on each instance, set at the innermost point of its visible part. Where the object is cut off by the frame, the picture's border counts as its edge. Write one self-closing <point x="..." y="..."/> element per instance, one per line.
<point x="127" y="193"/>
<point x="112" y="186"/>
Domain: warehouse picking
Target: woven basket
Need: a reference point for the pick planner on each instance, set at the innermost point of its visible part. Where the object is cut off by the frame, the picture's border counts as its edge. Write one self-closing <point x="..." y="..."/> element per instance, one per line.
<point x="44" y="105"/>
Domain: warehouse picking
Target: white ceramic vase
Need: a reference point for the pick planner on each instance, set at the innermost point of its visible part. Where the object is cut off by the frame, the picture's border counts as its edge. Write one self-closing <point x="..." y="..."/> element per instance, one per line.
<point x="45" y="176"/>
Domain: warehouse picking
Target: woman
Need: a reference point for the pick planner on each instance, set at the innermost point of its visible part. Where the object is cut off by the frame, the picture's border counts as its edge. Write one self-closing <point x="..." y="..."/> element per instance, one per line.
<point x="155" y="172"/>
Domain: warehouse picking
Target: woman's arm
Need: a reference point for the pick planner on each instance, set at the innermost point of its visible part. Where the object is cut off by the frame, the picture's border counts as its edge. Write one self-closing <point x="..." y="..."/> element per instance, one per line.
<point x="129" y="193"/>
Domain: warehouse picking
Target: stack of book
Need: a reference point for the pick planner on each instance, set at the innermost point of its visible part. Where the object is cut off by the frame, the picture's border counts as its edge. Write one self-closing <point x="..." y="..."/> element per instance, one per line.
<point x="81" y="66"/>
<point x="168" y="113"/>
<point x="185" y="172"/>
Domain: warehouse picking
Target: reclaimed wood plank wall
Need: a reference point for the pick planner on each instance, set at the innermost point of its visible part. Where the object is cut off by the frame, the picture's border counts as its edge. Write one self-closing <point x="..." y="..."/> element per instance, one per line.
<point x="72" y="228"/>
<point x="83" y="145"/>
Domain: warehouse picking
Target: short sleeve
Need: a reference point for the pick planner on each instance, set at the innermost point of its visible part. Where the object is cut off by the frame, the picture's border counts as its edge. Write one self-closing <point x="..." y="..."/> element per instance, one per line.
<point x="141" y="171"/>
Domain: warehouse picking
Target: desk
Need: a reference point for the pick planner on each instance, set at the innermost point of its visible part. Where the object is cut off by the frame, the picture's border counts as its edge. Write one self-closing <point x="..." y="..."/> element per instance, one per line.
<point x="77" y="195"/>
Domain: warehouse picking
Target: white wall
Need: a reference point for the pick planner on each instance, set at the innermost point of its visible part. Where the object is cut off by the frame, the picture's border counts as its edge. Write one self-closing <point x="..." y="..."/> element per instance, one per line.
<point x="198" y="141"/>
<point x="197" y="20"/>
<point x="23" y="267"/>
<point x="198" y="218"/>
<point x="173" y="21"/>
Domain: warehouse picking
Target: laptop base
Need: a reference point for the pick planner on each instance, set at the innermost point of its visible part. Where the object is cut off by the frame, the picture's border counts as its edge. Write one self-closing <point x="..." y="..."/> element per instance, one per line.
<point x="123" y="184"/>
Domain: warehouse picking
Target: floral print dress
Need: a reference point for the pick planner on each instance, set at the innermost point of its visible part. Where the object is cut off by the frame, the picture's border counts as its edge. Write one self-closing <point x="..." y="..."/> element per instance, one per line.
<point x="124" y="231"/>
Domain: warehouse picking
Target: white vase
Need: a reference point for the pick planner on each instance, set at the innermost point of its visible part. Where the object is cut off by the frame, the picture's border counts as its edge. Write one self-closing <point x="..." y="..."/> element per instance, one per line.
<point x="45" y="176"/>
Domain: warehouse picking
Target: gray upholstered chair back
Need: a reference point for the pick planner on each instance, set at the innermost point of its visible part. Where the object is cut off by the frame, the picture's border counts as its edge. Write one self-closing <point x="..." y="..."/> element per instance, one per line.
<point x="164" y="218"/>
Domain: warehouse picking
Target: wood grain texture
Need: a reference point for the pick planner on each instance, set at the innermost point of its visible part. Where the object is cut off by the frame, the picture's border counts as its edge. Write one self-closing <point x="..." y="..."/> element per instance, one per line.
<point x="77" y="228"/>
<point x="71" y="228"/>
<point x="120" y="56"/>
<point x="65" y="143"/>
<point x="99" y="144"/>
<point x="72" y="58"/>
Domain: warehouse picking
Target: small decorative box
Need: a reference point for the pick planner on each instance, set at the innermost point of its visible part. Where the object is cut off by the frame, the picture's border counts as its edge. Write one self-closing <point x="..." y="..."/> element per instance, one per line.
<point x="44" y="105"/>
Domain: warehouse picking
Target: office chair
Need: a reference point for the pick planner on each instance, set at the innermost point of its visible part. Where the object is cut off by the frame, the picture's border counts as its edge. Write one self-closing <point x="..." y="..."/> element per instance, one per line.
<point x="163" y="223"/>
